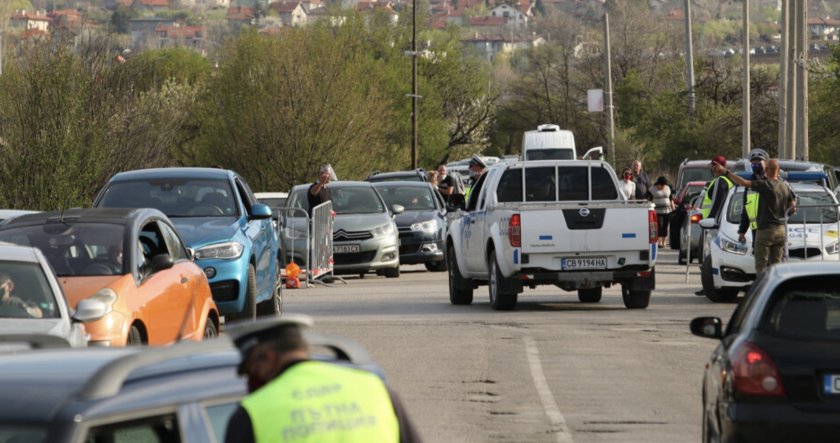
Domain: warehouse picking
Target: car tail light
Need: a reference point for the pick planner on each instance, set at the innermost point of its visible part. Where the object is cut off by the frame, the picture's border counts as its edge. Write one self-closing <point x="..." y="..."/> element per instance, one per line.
<point x="695" y="218"/>
<point x="652" y="227"/>
<point x="755" y="372"/>
<point x="515" y="231"/>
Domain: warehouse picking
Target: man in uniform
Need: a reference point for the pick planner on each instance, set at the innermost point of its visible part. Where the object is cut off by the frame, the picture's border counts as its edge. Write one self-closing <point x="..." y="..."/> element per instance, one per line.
<point x="293" y="398"/>
<point x="715" y="195"/>
<point x="476" y="167"/>
<point x="749" y="215"/>
<point x="775" y="199"/>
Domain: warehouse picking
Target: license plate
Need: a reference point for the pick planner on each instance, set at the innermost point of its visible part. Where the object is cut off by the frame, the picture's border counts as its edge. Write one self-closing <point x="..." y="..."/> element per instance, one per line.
<point x="831" y="384"/>
<point x="344" y="249"/>
<point x="583" y="263"/>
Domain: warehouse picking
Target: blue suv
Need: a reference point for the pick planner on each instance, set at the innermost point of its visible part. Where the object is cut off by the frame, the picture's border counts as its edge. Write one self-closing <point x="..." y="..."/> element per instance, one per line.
<point x="220" y="220"/>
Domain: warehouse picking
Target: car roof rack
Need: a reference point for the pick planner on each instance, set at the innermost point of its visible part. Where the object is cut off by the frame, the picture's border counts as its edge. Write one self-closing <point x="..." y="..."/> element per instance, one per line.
<point x="36" y="341"/>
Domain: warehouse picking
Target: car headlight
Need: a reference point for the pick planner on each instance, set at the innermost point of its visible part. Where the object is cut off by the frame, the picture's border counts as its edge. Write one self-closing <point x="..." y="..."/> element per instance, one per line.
<point x="386" y="229"/>
<point x="426" y="226"/>
<point x="225" y="250"/>
<point x="833" y="248"/>
<point x="733" y="247"/>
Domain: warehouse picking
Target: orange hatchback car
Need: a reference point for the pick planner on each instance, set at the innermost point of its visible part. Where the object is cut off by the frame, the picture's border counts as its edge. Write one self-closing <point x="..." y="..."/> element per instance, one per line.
<point x="130" y="266"/>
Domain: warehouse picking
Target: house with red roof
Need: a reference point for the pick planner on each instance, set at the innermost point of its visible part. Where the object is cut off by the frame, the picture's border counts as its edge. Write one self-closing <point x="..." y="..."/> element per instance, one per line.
<point x="240" y="15"/>
<point x="490" y="46"/>
<point x="179" y="35"/>
<point x="824" y="28"/>
<point x="26" y="20"/>
<point x="513" y="16"/>
<point x="292" y="13"/>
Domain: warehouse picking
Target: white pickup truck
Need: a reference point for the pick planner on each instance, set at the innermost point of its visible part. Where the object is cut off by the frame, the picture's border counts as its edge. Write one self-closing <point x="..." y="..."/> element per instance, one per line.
<point x="562" y="223"/>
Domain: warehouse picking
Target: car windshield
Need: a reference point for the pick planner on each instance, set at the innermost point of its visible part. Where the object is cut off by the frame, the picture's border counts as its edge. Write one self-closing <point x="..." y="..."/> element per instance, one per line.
<point x="805" y="308"/>
<point x="356" y="200"/>
<point x="822" y="210"/>
<point x="411" y="198"/>
<point x="550" y="154"/>
<point x="74" y="249"/>
<point x="174" y="197"/>
<point x="29" y="288"/>
<point x="703" y="174"/>
<point x="412" y="177"/>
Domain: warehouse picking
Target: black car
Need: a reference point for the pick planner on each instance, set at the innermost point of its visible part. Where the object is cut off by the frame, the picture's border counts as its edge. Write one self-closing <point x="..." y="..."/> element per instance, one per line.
<point x="422" y="227"/>
<point x="775" y="376"/>
<point x="180" y="393"/>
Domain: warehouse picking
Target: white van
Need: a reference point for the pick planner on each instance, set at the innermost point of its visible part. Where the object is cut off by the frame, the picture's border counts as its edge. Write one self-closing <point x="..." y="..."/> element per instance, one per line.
<point x="548" y="142"/>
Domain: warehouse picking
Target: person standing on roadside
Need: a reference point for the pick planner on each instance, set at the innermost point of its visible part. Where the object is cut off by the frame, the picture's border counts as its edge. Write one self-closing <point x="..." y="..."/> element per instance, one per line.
<point x="716" y="192"/>
<point x="319" y="192"/>
<point x="446" y="183"/>
<point x="749" y="215"/>
<point x="641" y="179"/>
<point x="774" y="200"/>
<point x="627" y="185"/>
<point x="663" y="205"/>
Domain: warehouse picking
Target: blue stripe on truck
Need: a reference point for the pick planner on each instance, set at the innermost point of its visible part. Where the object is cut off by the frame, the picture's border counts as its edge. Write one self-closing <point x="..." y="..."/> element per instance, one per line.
<point x="516" y="256"/>
<point x="628" y="235"/>
<point x="546" y="237"/>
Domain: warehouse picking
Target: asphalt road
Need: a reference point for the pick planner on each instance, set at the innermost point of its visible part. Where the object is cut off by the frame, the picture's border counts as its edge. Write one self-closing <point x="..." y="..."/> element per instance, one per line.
<point x="553" y="370"/>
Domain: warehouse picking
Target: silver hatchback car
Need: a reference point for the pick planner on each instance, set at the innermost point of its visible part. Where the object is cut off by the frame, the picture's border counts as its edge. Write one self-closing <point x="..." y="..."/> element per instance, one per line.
<point x="365" y="235"/>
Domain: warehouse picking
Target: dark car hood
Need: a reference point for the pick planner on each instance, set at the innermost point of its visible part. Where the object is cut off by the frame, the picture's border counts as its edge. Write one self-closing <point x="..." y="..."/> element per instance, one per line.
<point x="408" y="218"/>
<point x="200" y="231"/>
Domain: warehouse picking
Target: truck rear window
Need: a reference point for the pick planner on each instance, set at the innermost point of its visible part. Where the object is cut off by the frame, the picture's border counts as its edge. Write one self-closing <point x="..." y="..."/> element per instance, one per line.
<point x="563" y="183"/>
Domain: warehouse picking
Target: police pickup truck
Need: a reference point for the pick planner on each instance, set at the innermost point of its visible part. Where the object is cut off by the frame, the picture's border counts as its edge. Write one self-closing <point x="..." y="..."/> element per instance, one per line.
<point x="562" y="223"/>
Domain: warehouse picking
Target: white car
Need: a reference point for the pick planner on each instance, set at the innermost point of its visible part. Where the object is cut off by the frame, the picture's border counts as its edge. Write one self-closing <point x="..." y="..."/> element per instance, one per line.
<point x="45" y="311"/>
<point x="729" y="266"/>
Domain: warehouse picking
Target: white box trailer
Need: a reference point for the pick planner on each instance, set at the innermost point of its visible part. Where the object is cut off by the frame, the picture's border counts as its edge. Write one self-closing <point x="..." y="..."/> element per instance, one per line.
<point x="548" y="142"/>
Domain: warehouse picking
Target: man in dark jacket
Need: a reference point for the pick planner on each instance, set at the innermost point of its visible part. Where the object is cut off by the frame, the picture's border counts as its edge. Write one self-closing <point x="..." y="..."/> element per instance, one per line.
<point x="641" y="179"/>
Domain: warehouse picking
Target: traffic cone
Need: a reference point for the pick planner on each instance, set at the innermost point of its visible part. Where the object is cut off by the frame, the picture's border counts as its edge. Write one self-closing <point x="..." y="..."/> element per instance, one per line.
<point x="292" y="272"/>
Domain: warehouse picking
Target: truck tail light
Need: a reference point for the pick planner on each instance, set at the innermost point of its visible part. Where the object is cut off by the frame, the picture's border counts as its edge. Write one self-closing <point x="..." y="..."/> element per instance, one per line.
<point x="652" y="226"/>
<point x="695" y="218"/>
<point x="755" y="373"/>
<point x="515" y="231"/>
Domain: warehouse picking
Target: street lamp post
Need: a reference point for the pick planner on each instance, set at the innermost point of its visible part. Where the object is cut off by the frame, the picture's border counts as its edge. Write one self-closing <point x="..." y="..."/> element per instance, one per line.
<point x="414" y="84"/>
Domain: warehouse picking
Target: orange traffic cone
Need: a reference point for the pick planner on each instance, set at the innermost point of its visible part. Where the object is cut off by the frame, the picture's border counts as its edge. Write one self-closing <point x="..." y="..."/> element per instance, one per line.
<point x="292" y="272"/>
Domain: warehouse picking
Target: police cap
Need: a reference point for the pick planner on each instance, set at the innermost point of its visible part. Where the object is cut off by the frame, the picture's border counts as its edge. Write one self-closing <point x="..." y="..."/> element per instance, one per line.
<point x="248" y="334"/>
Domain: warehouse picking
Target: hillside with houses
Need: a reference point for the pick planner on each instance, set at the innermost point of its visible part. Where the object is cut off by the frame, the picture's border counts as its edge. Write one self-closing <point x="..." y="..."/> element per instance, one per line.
<point x="490" y="27"/>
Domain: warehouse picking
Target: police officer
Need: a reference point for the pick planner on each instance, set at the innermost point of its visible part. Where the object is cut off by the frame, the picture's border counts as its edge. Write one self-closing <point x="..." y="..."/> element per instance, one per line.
<point x="293" y="398"/>
<point x="749" y="216"/>
<point x="716" y="192"/>
<point x="476" y="167"/>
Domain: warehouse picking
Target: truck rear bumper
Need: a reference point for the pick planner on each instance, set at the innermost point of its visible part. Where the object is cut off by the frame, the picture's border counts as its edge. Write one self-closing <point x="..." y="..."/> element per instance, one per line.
<point x="639" y="278"/>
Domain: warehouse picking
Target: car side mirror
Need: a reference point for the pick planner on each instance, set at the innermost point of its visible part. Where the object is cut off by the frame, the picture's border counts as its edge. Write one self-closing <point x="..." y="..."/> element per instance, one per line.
<point x="90" y="309"/>
<point x="397" y="209"/>
<point x="707" y="327"/>
<point x="161" y="262"/>
<point x="191" y="254"/>
<point x="260" y="211"/>
<point x="708" y="223"/>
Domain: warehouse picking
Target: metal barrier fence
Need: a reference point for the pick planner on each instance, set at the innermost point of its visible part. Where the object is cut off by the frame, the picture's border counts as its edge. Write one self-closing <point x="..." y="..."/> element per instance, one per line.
<point x="321" y="241"/>
<point x="818" y="235"/>
<point x="293" y="231"/>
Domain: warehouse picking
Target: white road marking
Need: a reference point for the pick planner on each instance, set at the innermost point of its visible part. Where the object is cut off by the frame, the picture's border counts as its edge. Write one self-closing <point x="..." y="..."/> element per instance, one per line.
<point x="546" y="397"/>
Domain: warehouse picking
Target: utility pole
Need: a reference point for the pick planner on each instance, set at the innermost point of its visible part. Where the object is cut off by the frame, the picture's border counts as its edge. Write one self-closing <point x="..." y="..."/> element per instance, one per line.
<point x="608" y="92"/>
<point x="783" y="78"/>
<point x="414" y="84"/>
<point x="802" y="81"/>
<point x="792" y="83"/>
<point x="745" y="85"/>
<point x="689" y="60"/>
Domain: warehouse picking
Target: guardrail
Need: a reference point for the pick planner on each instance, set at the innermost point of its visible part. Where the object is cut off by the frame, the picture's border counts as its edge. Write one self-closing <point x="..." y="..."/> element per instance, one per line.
<point x="322" y="241"/>
<point x="293" y="231"/>
<point x="824" y="221"/>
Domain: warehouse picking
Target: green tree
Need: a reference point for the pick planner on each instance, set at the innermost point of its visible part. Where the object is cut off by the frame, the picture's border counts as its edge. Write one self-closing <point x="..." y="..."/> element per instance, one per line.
<point x="121" y="17"/>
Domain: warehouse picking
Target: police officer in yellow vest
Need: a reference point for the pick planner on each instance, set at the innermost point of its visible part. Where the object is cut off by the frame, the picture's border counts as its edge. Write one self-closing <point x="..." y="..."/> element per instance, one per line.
<point x="715" y="195"/>
<point x="716" y="190"/>
<point x="295" y="399"/>
<point x="749" y="216"/>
